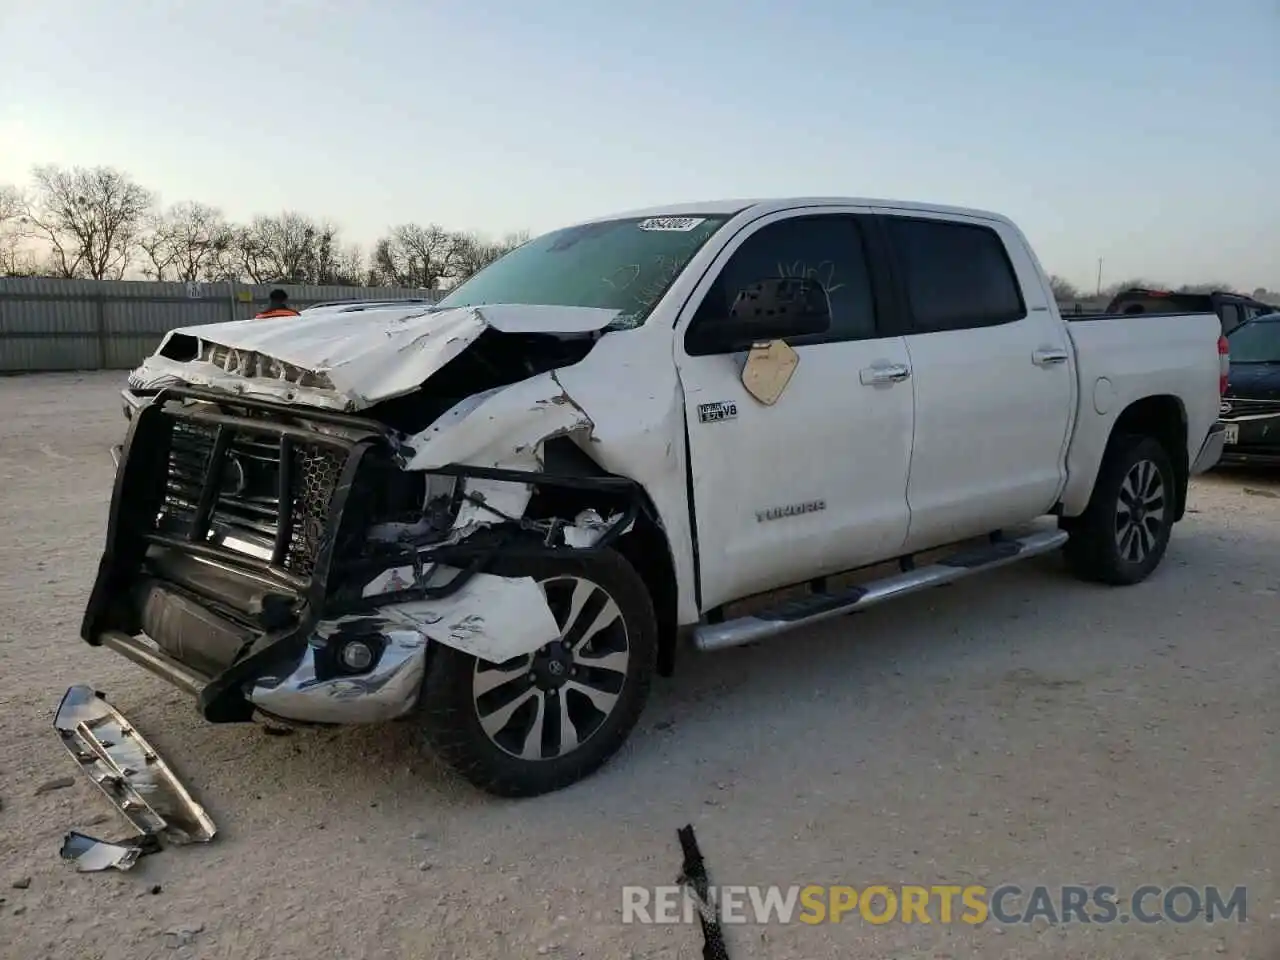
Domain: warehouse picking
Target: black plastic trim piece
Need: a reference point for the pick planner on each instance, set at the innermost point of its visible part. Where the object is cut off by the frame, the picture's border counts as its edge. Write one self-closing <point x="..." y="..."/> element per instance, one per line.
<point x="199" y="531"/>
<point x="810" y="606"/>
<point x="981" y="556"/>
<point x="693" y="872"/>
<point x="533" y="476"/>
<point x="693" y="517"/>
<point x="284" y="501"/>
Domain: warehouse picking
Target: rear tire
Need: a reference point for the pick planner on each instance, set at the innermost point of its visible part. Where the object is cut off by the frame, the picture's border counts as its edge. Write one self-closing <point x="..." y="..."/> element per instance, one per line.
<point x="540" y="722"/>
<point x="1122" y="536"/>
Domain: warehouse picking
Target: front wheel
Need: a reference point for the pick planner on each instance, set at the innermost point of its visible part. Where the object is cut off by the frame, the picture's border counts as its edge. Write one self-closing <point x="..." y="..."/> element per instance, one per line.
<point x="1123" y="534"/>
<point x="541" y="721"/>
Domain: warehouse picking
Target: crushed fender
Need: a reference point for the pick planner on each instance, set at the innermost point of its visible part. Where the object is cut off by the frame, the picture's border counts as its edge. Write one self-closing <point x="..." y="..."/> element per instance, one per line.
<point x="128" y="770"/>
<point x="91" y="855"/>
<point x="589" y="527"/>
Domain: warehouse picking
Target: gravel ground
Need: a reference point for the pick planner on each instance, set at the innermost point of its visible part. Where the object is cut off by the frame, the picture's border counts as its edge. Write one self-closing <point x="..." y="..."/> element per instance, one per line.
<point x="1019" y="728"/>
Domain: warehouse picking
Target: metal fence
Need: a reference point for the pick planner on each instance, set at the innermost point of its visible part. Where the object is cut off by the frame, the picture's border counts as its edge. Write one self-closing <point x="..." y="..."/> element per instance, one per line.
<point x="48" y="324"/>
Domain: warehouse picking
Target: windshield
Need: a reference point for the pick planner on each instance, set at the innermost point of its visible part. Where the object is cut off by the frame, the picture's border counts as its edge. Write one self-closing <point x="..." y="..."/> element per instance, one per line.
<point x="1257" y="341"/>
<point x="623" y="265"/>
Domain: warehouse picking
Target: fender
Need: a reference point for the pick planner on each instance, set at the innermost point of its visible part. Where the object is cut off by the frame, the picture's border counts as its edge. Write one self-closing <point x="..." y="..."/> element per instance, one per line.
<point x="495" y="618"/>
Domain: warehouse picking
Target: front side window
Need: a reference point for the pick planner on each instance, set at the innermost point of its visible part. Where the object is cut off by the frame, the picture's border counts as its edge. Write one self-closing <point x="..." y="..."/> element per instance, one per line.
<point x="825" y="248"/>
<point x="624" y="265"/>
<point x="1257" y="341"/>
<point x="957" y="275"/>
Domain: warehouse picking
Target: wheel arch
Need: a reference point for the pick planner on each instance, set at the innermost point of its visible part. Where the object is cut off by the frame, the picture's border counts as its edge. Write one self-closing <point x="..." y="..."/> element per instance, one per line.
<point x="645" y="546"/>
<point x="1163" y="417"/>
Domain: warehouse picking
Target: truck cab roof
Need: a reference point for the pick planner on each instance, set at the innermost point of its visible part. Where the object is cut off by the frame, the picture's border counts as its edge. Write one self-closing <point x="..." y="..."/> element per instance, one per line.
<point x="762" y="206"/>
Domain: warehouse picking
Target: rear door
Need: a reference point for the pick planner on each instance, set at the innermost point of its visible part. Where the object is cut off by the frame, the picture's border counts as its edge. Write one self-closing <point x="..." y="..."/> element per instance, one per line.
<point x="992" y="372"/>
<point x="816" y="482"/>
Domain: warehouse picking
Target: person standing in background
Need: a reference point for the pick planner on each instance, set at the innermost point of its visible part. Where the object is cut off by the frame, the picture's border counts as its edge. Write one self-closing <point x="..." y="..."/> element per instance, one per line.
<point x="279" y="307"/>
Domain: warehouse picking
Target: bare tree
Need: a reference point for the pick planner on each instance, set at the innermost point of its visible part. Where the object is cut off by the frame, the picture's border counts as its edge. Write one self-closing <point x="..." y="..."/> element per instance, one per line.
<point x="187" y="242"/>
<point x="293" y="248"/>
<point x="473" y="252"/>
<point x="346" y="268"/>
<point x="14" y="230"/>
<point x="275" y="249"/>
<point x="12" y="203"/>
<point x="331" y="261"/>
<point x="1064" y="291"/>
<point x="412" y="255"/>
<point x="90" y="218"/>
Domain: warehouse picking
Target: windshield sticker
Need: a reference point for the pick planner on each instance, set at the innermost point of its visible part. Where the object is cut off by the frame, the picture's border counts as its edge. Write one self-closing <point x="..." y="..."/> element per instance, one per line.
<point x="676" y="224"/>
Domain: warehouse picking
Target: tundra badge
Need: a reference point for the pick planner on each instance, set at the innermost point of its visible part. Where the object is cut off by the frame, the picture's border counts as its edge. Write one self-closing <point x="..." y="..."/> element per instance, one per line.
<point x="790" y="510"/>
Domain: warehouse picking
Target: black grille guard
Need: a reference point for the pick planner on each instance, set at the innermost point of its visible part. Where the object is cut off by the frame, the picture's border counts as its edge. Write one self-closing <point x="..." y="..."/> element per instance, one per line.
<point x="137" y="498"/>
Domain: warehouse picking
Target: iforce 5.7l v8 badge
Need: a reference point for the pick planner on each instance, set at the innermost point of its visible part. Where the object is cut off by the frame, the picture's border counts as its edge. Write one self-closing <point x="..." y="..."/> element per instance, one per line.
<point x="721" y="410"/>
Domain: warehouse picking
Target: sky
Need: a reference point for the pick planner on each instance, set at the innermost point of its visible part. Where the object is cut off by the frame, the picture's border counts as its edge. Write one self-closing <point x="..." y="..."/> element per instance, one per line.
<point x="1142" y="132"/>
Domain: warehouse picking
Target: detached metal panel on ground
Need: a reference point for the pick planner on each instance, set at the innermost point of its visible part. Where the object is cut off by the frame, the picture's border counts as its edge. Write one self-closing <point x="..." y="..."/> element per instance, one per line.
<point x="49" y="324"/>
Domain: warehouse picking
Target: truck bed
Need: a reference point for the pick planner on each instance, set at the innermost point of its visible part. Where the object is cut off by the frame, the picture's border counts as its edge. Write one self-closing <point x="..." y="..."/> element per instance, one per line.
<point x="1081" y="317"/>
<point x="1163" y="356"/>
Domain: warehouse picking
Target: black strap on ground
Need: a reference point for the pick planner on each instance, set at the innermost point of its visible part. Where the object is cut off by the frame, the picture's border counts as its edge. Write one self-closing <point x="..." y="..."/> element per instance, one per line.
<point x="694" y="873"/>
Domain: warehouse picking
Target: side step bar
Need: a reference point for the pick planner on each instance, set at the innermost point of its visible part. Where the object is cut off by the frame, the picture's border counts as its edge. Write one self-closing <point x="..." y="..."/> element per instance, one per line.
<point x="824" y="606"/>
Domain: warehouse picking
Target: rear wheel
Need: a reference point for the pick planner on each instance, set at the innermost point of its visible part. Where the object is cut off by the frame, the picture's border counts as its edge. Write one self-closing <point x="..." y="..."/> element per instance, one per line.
<point x="541" y="721"/>
<point x="1123" y="534"/>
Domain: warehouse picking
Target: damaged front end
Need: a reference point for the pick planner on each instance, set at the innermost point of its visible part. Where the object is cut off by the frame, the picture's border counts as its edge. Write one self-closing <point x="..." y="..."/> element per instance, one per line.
<point x="299" y="563"/>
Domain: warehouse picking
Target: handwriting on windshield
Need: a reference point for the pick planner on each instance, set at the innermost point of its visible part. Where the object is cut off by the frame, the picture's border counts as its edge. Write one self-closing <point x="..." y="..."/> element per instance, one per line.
<point x="824" y="272"/>
<point x="623" y="277"/>
<point x="652" y="281"/>
<point x="665" y="270"/>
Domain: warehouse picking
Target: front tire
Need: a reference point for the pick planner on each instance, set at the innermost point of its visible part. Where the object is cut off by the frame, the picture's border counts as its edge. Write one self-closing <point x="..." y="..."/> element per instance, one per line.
<point x="540" y="722"/>
<point x="1122" y="536"/>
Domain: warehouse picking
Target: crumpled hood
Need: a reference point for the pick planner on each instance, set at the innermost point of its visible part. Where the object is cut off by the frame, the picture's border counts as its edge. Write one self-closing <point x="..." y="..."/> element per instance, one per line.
<point x="347" y="359"/>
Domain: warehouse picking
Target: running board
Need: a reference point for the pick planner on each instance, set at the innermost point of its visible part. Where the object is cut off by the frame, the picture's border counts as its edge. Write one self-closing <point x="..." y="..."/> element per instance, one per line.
<point x="824" y="606"/>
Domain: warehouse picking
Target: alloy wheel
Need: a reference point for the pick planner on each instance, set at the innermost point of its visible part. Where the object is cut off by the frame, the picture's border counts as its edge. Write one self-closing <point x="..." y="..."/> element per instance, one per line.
<point x="1140" y="511"/>
<point x="544" y="705"/>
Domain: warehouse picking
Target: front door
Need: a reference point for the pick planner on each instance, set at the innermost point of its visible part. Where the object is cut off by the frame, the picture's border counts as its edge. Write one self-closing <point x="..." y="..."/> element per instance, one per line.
<point x="816" y="482"/>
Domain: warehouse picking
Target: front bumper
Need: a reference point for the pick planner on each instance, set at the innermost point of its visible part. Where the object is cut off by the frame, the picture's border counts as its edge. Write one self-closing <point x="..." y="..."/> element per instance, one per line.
<point x="301" y="686"/>
<point x="178" y="593"/>
<point x="1253" y="433"/>
<point x="252" y="604"/>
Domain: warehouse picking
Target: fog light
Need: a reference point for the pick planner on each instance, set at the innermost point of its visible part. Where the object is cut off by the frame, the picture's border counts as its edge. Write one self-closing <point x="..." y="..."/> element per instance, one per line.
<point x="356" y="655"/>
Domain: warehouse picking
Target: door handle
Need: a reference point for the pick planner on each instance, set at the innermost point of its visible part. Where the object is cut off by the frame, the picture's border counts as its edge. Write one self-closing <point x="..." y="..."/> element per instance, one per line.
<point x="1048" y="356"/>
<point x="886" y="373"/>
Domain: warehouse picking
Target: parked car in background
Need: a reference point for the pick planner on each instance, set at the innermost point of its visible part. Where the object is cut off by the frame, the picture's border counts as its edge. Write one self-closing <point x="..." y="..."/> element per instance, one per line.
<point x="1232" y="309"/>
<point x="1250" y="410"/>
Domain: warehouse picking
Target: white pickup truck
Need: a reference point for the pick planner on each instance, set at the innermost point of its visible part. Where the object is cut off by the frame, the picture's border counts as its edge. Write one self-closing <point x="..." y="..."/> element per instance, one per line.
<point x="498" y="517"/>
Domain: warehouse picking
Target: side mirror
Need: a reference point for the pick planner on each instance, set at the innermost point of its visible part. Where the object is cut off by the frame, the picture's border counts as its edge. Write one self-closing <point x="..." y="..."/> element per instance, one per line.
<point x="776" y="308"/>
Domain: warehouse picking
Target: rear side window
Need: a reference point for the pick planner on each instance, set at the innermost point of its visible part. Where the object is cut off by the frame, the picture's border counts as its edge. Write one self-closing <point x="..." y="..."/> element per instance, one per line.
<point x="957" y="275"/>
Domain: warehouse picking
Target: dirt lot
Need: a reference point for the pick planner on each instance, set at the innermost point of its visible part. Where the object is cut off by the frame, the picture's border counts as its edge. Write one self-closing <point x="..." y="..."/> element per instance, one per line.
<point x="1021" y="728"/>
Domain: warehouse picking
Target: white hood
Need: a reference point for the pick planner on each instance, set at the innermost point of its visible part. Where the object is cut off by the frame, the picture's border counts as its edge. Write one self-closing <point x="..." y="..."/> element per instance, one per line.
<point x="348" y="359"/>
